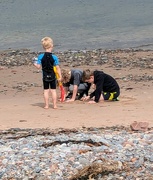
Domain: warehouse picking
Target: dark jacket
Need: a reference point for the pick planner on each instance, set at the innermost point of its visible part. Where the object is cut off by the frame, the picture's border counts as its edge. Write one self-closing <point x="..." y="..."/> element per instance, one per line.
<point x="104" y="83"/>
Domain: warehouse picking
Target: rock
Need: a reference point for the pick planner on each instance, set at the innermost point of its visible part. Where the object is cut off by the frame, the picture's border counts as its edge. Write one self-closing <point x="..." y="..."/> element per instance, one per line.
<point x="139" y="126"/>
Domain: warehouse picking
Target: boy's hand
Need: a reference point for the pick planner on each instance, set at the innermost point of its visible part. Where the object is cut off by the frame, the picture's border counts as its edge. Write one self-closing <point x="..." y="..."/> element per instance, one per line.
<point x="70" y="100"/>
<point x="85" y="98"/>
<point x="59" y="99"/>
<point x="91" y="102"/>
<point x="59" y="79"/>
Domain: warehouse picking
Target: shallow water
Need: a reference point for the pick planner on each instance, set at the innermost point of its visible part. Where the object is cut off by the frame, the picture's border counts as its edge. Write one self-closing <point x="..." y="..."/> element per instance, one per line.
<point x="76" y="24"/>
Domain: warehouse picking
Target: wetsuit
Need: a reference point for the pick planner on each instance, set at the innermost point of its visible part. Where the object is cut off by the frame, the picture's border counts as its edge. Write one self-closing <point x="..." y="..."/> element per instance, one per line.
<point x="48" y="60"/>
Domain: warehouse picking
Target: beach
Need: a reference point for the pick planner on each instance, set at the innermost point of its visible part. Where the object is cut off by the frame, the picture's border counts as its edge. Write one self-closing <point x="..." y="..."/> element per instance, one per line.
<point x="78" y="140"/>
<point x="22" y="94"/>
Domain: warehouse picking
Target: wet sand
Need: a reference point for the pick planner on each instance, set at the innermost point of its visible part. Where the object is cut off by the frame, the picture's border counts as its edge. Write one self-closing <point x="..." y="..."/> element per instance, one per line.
<point x="21" y="94"/>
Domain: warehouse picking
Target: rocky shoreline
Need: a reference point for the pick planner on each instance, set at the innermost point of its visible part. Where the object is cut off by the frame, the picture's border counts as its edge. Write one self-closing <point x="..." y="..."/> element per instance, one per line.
<point x="64" y="154"/>
<point x="83" y="57"/>
<point x="118" y="59"/>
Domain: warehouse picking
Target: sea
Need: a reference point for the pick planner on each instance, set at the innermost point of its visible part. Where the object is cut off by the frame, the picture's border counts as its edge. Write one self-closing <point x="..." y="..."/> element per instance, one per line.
<point x="76" y="24"/>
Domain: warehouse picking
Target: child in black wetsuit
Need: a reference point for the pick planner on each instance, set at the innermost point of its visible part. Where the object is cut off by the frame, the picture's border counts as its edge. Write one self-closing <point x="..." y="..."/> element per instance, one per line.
<point x="106" y="87"/>
<point x="47" y="61"/>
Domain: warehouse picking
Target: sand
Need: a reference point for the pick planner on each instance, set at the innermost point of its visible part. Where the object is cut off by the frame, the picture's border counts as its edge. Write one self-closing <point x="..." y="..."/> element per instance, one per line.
<point x="21" y="101"/>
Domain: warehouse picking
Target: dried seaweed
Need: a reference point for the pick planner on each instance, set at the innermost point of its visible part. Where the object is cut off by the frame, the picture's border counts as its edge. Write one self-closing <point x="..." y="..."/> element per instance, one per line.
<point x="17" y="133"/>
<point x="88" y="142"/>
<point x="105" y="167"/>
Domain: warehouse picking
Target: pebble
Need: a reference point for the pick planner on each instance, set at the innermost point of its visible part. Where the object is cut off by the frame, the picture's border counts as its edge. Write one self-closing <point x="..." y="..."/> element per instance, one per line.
<point x="27" y="158"/>
<point x="95" y="57"/>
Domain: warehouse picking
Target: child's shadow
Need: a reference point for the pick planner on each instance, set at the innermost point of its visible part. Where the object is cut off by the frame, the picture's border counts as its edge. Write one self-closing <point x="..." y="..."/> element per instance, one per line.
<point x="38" y="105"/>
<point x="41" y="105"/>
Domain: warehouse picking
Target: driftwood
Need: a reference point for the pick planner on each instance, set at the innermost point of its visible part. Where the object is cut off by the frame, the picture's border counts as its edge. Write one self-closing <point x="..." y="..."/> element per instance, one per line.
<point x="88" y="142"/>
<point x="105" y="167"/>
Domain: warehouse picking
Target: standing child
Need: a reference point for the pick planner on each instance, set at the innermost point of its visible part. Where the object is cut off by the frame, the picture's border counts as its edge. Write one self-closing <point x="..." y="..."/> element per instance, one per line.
<point x="46" y="61"/>
<point x="106" y="87"/>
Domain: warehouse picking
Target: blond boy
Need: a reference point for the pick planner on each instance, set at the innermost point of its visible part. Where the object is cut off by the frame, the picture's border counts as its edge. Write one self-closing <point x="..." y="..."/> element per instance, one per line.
<point x="46" y="61"/>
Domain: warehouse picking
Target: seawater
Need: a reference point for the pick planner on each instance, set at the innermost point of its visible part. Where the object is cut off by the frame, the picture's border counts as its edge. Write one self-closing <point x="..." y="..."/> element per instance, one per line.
<point x="76" y="24"/>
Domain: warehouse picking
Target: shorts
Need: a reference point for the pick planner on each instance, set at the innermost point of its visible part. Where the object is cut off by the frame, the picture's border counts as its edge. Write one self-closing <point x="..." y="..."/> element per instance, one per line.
<point x="112" y="96"/>
<point x="49" y="85"/>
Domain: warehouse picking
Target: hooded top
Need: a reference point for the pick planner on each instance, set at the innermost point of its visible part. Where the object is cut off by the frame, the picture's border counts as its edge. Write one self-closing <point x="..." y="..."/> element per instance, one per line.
<point x="104" y="83"/>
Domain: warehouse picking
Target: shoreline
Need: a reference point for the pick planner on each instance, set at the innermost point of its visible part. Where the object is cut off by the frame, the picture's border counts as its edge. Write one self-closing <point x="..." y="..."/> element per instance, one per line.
<point x="56" y="50"/>
<point x="19" y="57"/>
<point x="144" y="45"/>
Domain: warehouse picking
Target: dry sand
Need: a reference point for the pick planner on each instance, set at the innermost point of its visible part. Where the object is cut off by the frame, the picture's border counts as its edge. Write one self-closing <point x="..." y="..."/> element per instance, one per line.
<point x="21" y="101"/>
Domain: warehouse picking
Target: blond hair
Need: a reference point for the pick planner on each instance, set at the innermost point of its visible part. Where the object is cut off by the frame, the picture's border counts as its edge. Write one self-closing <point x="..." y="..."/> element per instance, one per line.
<point x="47" y="42"/>
<point x="66" y="75"/>
<point x="87" y="73"/>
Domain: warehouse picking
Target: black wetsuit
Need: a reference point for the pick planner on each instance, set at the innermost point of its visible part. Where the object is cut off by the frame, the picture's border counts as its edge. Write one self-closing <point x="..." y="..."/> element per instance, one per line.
<point x="105" y="85"/>
<point x="49" y="78"/>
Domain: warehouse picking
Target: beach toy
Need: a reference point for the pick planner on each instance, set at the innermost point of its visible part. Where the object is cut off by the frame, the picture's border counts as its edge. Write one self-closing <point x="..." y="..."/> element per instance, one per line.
<point x="62" y="90"/>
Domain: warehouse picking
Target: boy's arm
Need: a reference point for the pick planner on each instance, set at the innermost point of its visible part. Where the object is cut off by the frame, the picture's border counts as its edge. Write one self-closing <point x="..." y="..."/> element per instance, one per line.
<point x="98" y="91"/>
<point x="92" y="94"/>
<point x="38" y="66"/>
<point x="75" y="90"/>
<point x="76" y="82"/>
<point x="37" y="61"/>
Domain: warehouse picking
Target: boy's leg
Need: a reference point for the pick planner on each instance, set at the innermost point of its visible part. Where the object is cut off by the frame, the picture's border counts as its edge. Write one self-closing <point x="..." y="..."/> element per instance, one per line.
<point x="54" y="98"/>
<point x="82" y="87"/>
<point x="101" y="98"/>
<point x="116" y="94"/>
<point x="46" y="98"/>
<point x="112" y="96"/>
<point x="53" y="93"/>
<point x="46" y="94"/>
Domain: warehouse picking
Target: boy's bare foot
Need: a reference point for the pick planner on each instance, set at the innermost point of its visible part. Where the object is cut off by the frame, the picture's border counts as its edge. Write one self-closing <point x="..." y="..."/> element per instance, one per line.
<point x="46" y="107"/>
<point x="55" y="107"/>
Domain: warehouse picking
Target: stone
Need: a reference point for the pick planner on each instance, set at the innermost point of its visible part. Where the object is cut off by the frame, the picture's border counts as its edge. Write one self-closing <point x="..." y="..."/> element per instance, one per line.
<point x="139" y="126"/>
